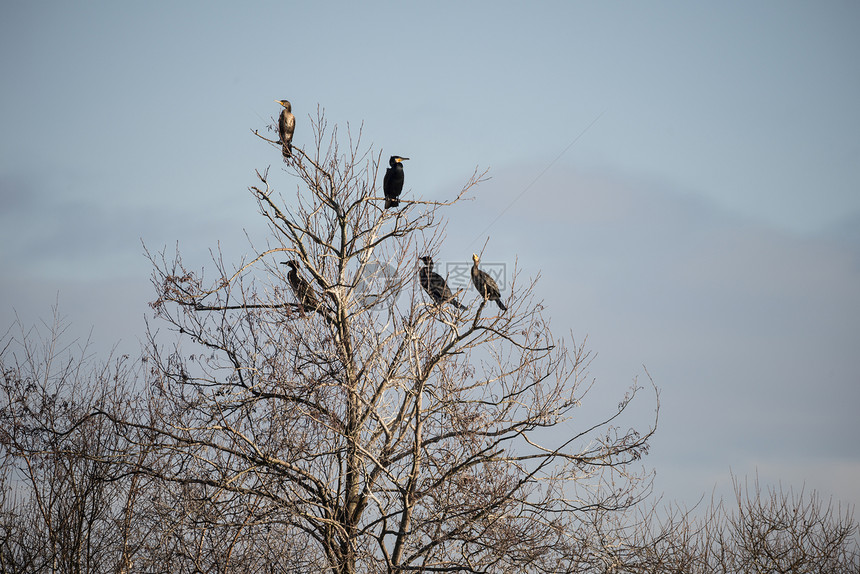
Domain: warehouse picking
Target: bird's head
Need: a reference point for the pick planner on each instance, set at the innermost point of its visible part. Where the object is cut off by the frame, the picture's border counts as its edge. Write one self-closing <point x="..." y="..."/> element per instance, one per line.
<point x="286" y="104"/>
<point x="395" y="159"/>
<point x="291" y="263"/>
<point x="427" y="260"/>
<point x="475" y="258"/>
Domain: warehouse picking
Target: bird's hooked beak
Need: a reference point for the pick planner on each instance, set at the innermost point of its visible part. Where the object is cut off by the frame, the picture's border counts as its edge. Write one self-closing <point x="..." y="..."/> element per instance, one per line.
<point x="400" y="159"/>
<point x="475" y="258"/>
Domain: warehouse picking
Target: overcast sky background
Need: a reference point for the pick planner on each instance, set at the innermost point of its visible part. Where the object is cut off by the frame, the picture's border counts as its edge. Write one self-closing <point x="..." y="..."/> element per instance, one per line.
<point x="684" y="176"/>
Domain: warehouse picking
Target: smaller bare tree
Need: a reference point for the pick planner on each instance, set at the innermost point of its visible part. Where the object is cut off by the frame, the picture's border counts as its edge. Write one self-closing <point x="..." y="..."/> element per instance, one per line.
<point x="67" y="507"/>
<point x="767" y="531"/>
<point x="773" y="530"/>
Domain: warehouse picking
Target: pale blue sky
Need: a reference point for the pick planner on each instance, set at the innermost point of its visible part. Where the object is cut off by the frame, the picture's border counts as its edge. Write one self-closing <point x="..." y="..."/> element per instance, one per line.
<point x="705" y="225"/>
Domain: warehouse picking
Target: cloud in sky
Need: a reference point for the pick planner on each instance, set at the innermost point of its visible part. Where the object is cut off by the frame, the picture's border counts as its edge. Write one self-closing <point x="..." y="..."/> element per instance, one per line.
<point x="750" y="331"/>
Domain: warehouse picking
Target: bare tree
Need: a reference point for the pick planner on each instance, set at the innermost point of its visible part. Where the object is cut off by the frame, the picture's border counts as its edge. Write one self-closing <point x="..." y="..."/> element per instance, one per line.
<point x="380" y="432"/>
<point x="64" y="507"/>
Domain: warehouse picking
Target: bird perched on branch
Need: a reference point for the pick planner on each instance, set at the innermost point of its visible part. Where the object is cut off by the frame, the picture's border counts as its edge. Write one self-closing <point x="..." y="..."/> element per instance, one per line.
<point x="485" y="284"/>
<point x="435" y="285"/>
<point x="392" y="185"/>
<point x="286" y="127"/>
<point x="303" y="290"/>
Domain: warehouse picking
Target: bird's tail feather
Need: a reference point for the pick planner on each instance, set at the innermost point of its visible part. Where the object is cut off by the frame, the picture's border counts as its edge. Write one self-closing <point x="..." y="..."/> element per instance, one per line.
<point x="501" y="305"/>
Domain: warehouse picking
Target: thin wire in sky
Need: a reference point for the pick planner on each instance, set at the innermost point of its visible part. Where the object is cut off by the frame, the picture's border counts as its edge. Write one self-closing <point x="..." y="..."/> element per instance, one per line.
<point x="529" y="186"/>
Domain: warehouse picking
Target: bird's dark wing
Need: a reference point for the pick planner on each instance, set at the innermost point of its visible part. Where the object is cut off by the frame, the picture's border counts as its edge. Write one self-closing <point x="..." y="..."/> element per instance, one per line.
<point x="386" y="182"/>
<point x="487" y="287"/>
<point x="491" y="287"/>
<point x="303" y="290"/>
<point x="485" y="284"/>
<point x="391" y="186"/>
<point x="308" y="297"/>
<point x="430" y="282"/>
<point x="424" y="278"/>
<point x="439" y="288"/>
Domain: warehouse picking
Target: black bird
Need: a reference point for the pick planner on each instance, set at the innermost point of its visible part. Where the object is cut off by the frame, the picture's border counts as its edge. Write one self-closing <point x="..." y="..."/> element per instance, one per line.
<point x="303" y="290"/>
<point x="435" y="285"/>
<point x="392" y="185"/>
<point x="485" y="284"/>
<point x="286" y="127"/>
